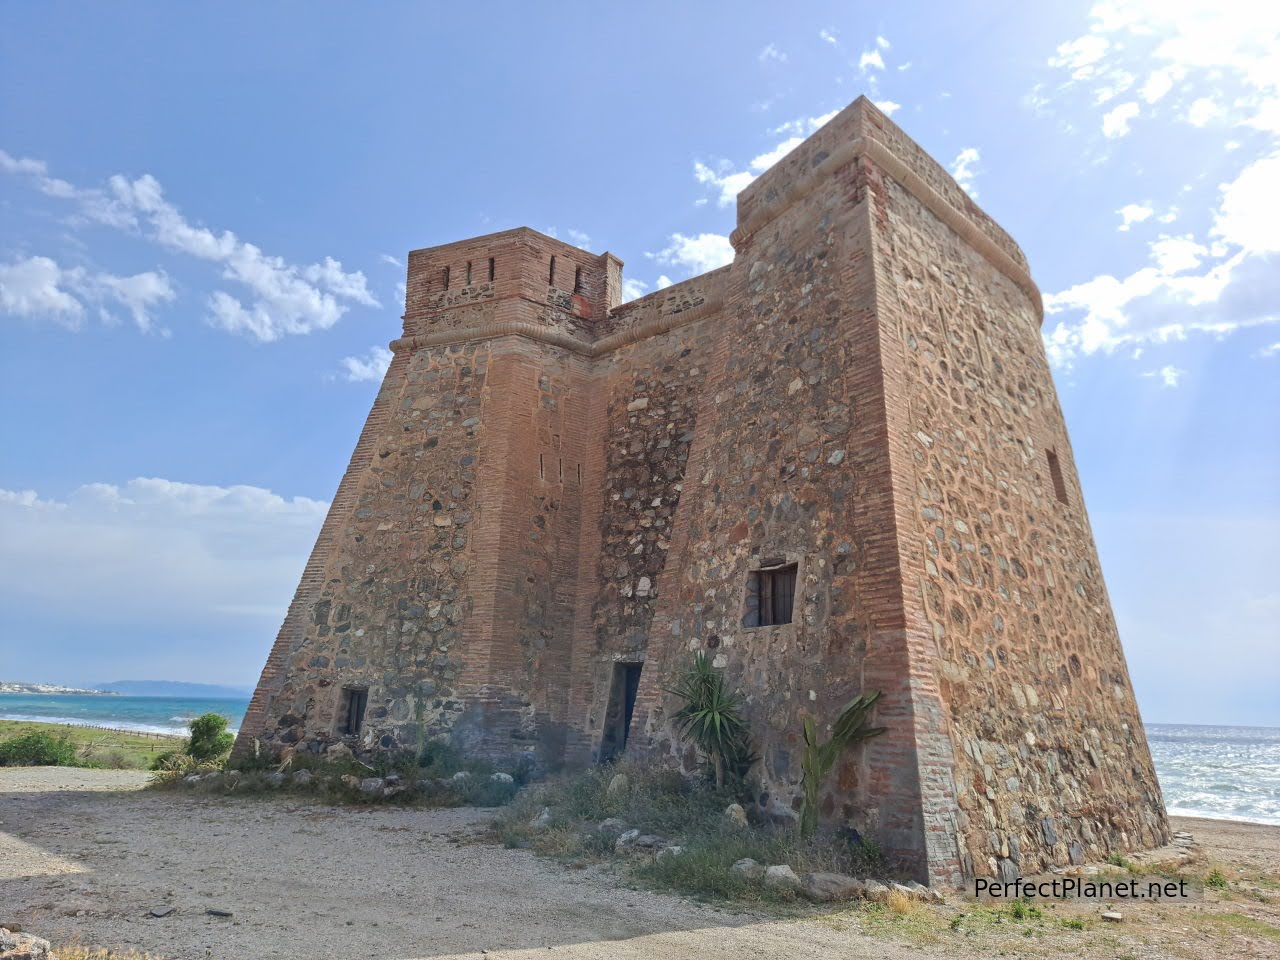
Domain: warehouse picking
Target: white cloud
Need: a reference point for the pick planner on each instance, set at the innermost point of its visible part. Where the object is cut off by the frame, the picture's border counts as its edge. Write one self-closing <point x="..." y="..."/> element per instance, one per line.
<point x="155" y="552"/>
<point x="771" y="54"/>
<point x="1132" y="213"/>
<point x="1169" y="375"/>
<point x="766" y="160"/>
<point x="965" y="169"/>
<point x="663" y="282"/>
<point x="372" y="366"/>
<point x="1159" y="83"/>
<point x="697" y="254"/>
<point x="38" y="288"/>
<point x="805" y="125"/>
<point x="284" y="298"/>
<point x="882" y="43"/>
<point x="888" y="107"/>
<point x="1115" y="123"/>
<point x="870" y="60"/>
<point x="1250" y="208"/>
<point x="1202" y="111"/>
<point x="726" y="183"/>
<point x="578" y="238"/>
<point x="389" y="259"/>
<point x="34" y="288"/>
<point x="1081" y="55"/>
<point x="633" y="289"/>
<point x="1270" y="350"/>
<point x="828" y="36"/>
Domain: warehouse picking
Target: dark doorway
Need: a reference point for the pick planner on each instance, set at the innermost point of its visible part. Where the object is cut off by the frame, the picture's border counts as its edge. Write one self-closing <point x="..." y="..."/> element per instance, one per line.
<point x="622" y="703"/>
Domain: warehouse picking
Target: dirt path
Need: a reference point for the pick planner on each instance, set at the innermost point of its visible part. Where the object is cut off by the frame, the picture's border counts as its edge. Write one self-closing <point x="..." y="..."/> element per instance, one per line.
<point x="85" y="856"/>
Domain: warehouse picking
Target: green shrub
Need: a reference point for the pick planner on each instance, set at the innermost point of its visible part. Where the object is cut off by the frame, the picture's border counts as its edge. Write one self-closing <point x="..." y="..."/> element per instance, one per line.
<point x="818" y="758"/>
<point x="1119" y="860"/>
<point x="210" y="740"/>
<point x="711" y="717"/>
<point x="1073" y="923"/>
<point x="1216" y="880"/>
<point x="39" y="749"/>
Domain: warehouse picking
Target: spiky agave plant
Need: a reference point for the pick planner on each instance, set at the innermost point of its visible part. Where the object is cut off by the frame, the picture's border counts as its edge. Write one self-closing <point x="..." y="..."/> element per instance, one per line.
<point x="711" y="717"/>
<point x="819" y="758"/>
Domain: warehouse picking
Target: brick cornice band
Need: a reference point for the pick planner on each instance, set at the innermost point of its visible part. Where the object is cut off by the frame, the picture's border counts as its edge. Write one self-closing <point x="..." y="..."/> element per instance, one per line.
<point x="894" y="166"/>
<point x="558" y="338"/>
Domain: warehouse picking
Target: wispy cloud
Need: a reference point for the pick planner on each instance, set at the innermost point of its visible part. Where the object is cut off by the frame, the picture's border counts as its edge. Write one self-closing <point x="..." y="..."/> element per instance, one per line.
<point x="283" y="298"/>
<point x="965" y="169"/>
<point x="39" y="288"/>
<point x="371" y="367"/>
<point x="695" y="254"/>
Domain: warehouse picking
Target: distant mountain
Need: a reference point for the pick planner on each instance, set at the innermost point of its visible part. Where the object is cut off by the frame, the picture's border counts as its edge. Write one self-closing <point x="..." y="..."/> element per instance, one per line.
<point x="175" y="688"/>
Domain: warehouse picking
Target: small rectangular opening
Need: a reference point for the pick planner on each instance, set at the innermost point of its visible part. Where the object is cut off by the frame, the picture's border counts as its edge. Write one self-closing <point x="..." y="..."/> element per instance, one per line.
<point x="551" y="277"/>
<point x="621" y="707"/>
<point x="577" y="279"/>
<point x="1055" y="474"/>
<point x="562" y="470"/>
<point x="771" y="596"/>
<point x="579" y="474"/>
<point x="542" y="470"/>
<point x="491" y="269"/>
<point x="468" y="273"/>
<point x="354" y="700"/>
<point x="445" y="278"/>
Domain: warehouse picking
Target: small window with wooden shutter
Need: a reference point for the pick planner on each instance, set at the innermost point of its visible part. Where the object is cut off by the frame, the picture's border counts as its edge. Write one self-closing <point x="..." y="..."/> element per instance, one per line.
<point x="771" y="596"/>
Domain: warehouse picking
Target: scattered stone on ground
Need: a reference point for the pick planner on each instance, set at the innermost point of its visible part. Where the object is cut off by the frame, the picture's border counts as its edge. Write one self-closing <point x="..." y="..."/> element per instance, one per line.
<point x="502" y="778"/>
<point x="1114" y="916"/>
<point x="748" y="869"/>
<point x="876" y="892"/>
<point x="161" y="911"/>
<point x="735" y="814"/>
<point x="543" y="820"/>
<point x="781" y="875"/>
<point x="22" y="946"/>
<point x="618" y="786"/>
<point x="373" y="786"/>
<point x="674" y="850"/>
<point x="823" y="887"/>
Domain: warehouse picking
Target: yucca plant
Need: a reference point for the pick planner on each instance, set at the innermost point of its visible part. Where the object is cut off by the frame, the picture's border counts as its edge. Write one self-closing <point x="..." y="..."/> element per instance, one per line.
<point x="819" y="758"/>
<point x="711" y="717"/>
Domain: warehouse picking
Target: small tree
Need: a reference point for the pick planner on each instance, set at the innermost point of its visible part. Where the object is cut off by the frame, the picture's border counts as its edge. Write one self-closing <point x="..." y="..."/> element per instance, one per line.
<point x="819" y="758"/>
<point x="210" y="740"/>
<point x="711" y="717"/>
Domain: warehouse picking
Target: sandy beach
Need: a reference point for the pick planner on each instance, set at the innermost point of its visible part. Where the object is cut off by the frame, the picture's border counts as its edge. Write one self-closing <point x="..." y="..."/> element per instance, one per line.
<point x="86" y="856"/>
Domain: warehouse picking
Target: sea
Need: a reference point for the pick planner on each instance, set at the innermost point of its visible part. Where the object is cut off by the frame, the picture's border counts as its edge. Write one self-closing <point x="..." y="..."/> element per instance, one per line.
<point x="1229" y="773"/>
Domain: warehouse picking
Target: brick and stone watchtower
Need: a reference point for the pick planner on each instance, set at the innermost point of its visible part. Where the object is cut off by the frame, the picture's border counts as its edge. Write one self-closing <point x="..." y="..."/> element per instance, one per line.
<point x="837" y="465"/>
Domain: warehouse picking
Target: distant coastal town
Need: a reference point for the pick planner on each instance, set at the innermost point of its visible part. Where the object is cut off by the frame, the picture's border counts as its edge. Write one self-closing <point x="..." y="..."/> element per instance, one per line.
<point x="13" y="686"/>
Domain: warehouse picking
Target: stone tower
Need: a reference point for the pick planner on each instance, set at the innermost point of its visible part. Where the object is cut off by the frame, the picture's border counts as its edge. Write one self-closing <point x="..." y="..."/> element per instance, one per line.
<point x="837" y="465"/>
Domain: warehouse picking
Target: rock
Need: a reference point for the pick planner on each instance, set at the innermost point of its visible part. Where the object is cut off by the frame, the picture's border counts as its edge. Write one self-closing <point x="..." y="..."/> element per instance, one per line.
<point x="192" y="778"/>
<point x="232" y="775"/>
<point x="218" y="912"/>
<point x="1114" y="916"/>
<point x="275" y="778"/>
<point x="502" y="778"/>
<point x="393" y="779"/>
<point x="23" y="946"/>
<point x="303" y="777"/>
<point x="735" y="814"/>
<point x="918" y="890"/>
<point x="618" y="786"/>
<point x="672" y="851"/>
<point x="1008" y="871"/>
<point x="543" y="820"/>
<point x="904" y="890"/>
<point x="748" y="868"/>
<point x="781" y="875"/>
<point x="158" y="912"/>
<point x="339" y="751"/>
<point x="831" y="887"/>
<point x="876" y="891"/>
<point x="612" y="825"/>
<point x="460" y="776"/>
<point x="373" y="786"/>
<point x="626" y="839"/>
<point x="350" y="781"/>
<point x="648" y="841"/>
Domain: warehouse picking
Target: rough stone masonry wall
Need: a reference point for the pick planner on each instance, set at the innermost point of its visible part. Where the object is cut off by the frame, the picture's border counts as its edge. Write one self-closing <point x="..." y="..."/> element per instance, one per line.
<point x="788" y="461"/>
<point x="395" y="586"/>
<point x="1051" y="763"/>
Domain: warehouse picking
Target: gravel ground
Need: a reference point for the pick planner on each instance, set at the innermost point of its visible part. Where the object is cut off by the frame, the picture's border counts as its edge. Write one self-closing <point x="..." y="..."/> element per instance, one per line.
<point x="85" y="855"/>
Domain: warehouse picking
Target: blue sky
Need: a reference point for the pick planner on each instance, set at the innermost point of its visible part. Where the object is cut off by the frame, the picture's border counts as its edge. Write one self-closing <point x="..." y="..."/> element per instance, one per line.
<point x="204" y="214"/>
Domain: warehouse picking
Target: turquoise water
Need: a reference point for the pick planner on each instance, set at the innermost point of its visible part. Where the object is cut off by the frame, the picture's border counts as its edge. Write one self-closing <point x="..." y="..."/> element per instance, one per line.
<point x="148" y="714"/>
<point x="1222" y="772"/>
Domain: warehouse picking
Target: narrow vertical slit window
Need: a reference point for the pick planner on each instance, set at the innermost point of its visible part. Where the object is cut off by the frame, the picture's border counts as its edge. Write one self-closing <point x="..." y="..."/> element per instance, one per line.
<point x="445" y="277"/>
<point x="1055" y="474"/>
<point x="542" y="470"/>
<point x="354" y="700"/>
<point x="577" y="279"/>
<point x="551" y="277"/>
<point x="491" y="270"/>
<point x="468" y="273"/>
<point x="579" y="474"/>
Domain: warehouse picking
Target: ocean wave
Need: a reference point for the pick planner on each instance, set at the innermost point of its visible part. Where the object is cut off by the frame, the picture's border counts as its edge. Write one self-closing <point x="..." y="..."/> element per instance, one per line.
<point x="1178" y="811"/>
